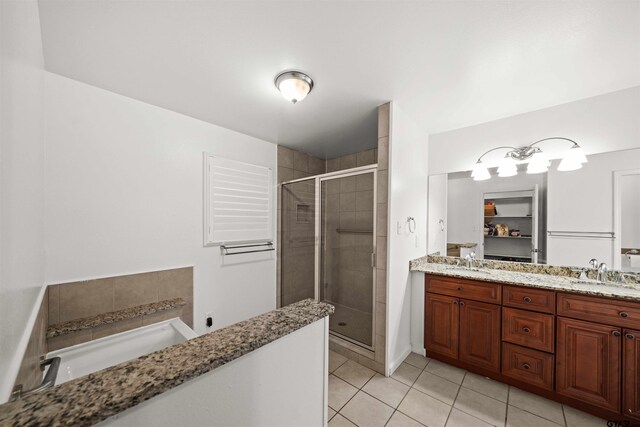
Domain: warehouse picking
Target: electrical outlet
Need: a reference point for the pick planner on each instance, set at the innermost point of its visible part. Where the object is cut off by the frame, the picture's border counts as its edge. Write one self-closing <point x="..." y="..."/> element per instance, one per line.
<point x="208" y="319"/>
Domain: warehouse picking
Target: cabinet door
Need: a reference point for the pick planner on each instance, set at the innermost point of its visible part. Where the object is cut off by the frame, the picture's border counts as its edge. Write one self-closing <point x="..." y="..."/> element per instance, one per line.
<point x="441" y="325"/>
<point x="588" y="362"/>
<point x="631" y="369"/>
<point x="480" y="334"/>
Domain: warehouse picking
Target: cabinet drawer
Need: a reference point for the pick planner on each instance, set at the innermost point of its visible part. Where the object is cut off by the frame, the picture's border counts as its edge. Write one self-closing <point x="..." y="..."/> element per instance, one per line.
<point x="468" y="289"/>
<point x="529" y="299"/>
<point x="528" y="329"/>
<point x="602" y="310"/>
<point x="527" y="365"/>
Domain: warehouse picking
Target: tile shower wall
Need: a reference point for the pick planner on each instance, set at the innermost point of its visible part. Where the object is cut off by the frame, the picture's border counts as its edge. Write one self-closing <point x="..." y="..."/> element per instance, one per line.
<point x="76" y="300"/>
<point x="288" y="169"/>
<point x="376" y="359"/>
<point x="29" y="374"/>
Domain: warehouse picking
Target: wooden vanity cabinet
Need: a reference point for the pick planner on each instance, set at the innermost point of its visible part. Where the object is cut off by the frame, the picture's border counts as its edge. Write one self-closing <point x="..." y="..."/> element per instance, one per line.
<point x="577" y="349"/>
<point x="442" y="320"/>
<point x="631" y="376"/>
<point x="588" y="362"/>
<point x="480" y="334"/>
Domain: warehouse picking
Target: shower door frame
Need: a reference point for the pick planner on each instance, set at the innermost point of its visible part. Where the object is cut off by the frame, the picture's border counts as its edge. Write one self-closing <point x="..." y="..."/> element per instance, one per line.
<point x="318" y="180"/>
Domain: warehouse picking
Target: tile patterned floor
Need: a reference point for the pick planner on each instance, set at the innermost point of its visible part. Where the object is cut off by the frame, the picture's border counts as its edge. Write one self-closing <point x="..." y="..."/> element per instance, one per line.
<point x="425" y="392"/>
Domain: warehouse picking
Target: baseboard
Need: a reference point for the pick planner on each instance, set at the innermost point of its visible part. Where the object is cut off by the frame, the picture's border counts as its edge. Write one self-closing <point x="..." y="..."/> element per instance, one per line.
<point x="393" y="364"/>
<point x="420" y="351"/>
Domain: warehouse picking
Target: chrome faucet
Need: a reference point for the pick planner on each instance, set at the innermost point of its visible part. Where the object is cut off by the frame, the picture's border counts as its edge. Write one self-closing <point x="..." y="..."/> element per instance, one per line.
<point x="593" y="263"/>
<point x="470" y="258"/>
<point x="603" y="271"/>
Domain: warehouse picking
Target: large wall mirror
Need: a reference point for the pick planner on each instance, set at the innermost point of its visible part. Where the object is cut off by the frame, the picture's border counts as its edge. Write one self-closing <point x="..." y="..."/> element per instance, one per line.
<point x="556" y="217"/>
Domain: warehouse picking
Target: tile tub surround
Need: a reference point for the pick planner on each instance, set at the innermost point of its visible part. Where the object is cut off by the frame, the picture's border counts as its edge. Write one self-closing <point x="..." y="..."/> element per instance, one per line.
<point x="98" y="396"/>
<point x="113" y="317"/>
<point x="523" y="278"/>
<point x="89" y="298"/>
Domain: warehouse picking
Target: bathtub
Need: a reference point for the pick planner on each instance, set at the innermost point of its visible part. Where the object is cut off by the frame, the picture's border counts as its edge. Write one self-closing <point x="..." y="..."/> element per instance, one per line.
<point x="92" y="356"/>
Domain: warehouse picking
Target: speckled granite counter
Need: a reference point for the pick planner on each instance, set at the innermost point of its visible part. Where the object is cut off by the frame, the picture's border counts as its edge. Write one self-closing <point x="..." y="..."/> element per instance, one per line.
<point x="95" y="397"/>
<point x="112" y="317"/>
<point x="536" y="276"/>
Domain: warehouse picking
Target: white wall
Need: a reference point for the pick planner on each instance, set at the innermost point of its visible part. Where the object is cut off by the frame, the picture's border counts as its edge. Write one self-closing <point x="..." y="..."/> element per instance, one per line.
<point x="407" y="198"/>
<point x="602" y="123"/>
<point x="21" y="181"/>
<point x="124" y="185"/>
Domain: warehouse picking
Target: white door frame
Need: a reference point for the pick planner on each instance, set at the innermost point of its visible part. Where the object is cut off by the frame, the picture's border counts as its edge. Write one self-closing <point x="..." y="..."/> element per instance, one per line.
<point x="617" y="214"/>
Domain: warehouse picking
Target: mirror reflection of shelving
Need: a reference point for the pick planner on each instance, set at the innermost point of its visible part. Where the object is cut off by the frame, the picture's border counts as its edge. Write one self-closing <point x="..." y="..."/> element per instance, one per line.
<point x="510" y="225"/>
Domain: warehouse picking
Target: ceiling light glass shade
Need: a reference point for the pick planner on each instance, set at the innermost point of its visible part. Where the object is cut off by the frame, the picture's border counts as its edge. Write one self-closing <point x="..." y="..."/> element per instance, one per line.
<point x="539" y="163"/>
<point x="569" y="165"/>
<point x="294" y="85"/>
<point x="507" y="167"/>
<point x="575" y="154"/>
<point x="480" y="172"/>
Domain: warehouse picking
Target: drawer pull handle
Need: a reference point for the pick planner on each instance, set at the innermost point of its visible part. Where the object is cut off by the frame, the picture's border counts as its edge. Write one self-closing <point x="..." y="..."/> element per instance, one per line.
<point x="455" y="303"/>
<point x="527" y="299"/>
<point x="616" y="333"/>
<point x="461" y="303"/>
<point x="526" y="330"/>
<point x="624" y="314"/>
<point x="526" y="366"/>
<point x="459" y="288"/>
<point x="630" y="336"/>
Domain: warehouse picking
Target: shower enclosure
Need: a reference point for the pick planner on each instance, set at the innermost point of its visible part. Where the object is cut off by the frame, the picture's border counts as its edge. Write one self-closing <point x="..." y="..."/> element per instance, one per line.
<point x="327" y="245"/>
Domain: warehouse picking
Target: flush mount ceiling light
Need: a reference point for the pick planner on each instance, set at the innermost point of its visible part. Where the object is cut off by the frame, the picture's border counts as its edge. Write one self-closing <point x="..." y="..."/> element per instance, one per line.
<point x="294" y="85"/>
<point x="538" y="161"/>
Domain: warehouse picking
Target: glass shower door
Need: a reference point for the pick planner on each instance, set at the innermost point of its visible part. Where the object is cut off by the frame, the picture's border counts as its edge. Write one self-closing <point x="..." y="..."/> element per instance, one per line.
<point x="298" y="225"/>
<point x="347" y="251"/>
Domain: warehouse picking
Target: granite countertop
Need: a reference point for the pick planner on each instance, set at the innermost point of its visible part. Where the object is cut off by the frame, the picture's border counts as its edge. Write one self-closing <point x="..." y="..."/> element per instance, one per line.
<point x="112" y="317"/>
<point x="98" y="396"/>
<point x="544" y="277"/>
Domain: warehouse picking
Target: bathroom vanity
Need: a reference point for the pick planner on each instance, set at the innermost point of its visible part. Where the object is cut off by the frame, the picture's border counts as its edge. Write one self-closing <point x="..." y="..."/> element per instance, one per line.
<point x="573" y="340"/>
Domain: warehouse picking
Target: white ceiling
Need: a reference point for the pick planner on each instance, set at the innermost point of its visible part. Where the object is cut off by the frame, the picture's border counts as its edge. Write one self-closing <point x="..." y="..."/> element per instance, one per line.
<point x="448" y="64"/>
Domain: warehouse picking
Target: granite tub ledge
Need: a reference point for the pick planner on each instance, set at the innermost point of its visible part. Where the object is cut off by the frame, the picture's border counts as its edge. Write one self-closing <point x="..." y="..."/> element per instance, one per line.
<point x="98" y="396"/>
<point x="548" y="281"/>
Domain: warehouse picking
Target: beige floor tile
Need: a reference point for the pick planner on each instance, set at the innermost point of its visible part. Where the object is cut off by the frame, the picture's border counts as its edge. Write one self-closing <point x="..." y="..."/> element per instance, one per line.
<point x="516" y="417"/>
<point x="460" y="419"/>
<point x="340" y="421"/>
<point x="486" y="386"/>
<point x="406" y="373"/>
<point x="425" y="409"/>
<point x="335" y="360"/>
<point x="398" y="419"/>
<point x="364" y="410"/>
<point x="437" y="387"/>
<point x="330" y="413"/>
<point x="481" y="406"/>
<point x="354" y="373"/>
<point x="417" y="360"/>
<point x="537" y="405"/>
<point x="445" y="371"/>
<point x="576" y="418"/>
<point x="339" y="392"/>
<point x="386" y="389"/>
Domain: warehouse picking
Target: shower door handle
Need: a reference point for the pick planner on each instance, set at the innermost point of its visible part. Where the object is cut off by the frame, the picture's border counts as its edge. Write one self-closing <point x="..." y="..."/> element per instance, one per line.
<point x="373" y="260"/>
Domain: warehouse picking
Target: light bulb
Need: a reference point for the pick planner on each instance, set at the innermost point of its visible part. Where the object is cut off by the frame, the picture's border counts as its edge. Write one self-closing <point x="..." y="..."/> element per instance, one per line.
<point x="507" y="167"/>
<point x="480" y="172"/>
